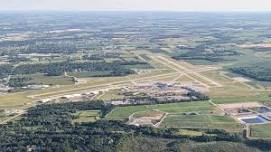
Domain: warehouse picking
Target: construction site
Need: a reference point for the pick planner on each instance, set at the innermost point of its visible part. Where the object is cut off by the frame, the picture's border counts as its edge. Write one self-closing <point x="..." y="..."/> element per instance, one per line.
<point x="252" y="113"/>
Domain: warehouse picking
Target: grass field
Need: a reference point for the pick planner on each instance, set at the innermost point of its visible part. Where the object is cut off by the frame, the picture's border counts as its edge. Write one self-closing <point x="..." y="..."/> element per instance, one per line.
<point x="192" y="133"/>
<point x="176" y="119"/>
<point x="138" y="66"/>
<point x="109" y="95"/>
<point x="260" y="97"/>
<point x="122" y="113"/>
<point x="234" y="91"/>
<point x="3" y="116"/>
<point x="148" y="113"/>
<point x="14" y="100"/>
<point x="87" y="116"/>
<point x="261" y="131"/>
<point x="52" y="80"/>
<point x="89" y="74"/>
<point x="201" y="121"/>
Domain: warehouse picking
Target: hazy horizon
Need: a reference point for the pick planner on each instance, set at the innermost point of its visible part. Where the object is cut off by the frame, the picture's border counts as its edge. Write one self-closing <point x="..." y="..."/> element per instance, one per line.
<point x="137" y="5"/>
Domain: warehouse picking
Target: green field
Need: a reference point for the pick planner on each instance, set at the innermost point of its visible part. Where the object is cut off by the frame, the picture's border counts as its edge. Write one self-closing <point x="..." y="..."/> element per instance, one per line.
<point x="176" y="117"/>
<point x="201" y="121"/>
<point x="2" y="117"/>
<point x="15" y="100"/>
<point x="138" y="66"/>
<point x="110" y="95"/>
<point x="219" y="146"/>
<point x="260" y="97"/>
<point x="121" y="113"/>
<point x="90" y="74"/>
<point x="186" y="132"/>
<point x="40" y="79"/>
<point x="87" y="116"/>
<point x="51" y="80"/>
<point x="261" y="131"/>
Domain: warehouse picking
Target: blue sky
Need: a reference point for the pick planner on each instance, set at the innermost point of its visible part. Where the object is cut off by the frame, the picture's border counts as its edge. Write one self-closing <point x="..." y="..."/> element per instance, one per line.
<point x="133" y="5"/>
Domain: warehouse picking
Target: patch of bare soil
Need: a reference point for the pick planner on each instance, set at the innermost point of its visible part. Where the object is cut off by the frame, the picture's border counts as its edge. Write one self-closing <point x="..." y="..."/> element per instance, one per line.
<point x="148" y="118"/>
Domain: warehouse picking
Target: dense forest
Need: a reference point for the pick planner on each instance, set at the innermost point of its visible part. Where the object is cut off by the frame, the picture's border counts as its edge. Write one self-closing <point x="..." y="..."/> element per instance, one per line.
<point x="49" y="127"/>
<point x="58" y="68"/>
<point x="5" y="69"/>
<point x="259" y="71"/>
<point x="204" y="52"/>
<point x="19" y="81"/>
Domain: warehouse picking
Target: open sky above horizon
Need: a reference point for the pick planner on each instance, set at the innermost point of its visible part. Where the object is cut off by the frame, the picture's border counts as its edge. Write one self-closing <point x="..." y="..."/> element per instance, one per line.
<point x="137" y="5"/>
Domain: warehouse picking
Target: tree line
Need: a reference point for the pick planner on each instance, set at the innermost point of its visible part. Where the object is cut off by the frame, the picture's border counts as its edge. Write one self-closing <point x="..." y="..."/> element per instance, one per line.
<point x="116" y="68"/>
<point x="49" y="127"/>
